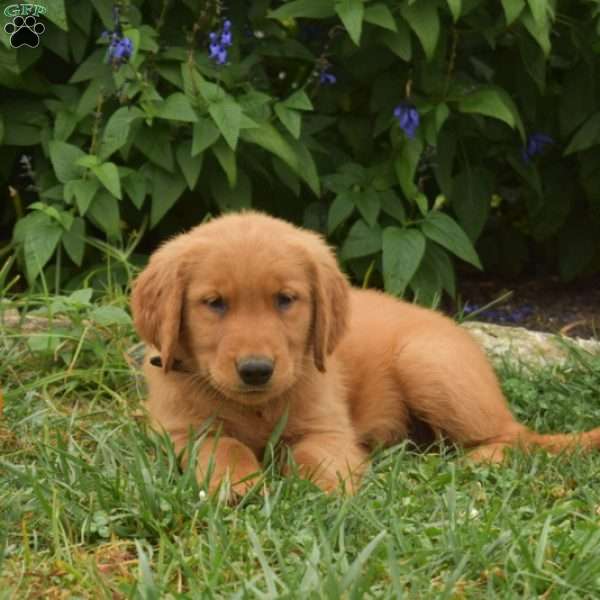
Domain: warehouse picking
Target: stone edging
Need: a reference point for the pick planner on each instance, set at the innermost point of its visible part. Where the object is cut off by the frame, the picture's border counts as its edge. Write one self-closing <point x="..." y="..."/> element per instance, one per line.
<point x="515" y="345"/>
<point x="520" y="346"/>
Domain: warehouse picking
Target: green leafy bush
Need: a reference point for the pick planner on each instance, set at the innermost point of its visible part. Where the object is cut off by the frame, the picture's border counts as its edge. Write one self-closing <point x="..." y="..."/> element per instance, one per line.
<point x="409" y="131"/>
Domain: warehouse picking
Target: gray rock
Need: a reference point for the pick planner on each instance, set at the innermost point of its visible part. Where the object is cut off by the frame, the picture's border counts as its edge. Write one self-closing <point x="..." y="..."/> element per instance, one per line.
<point x="517" y="345"/>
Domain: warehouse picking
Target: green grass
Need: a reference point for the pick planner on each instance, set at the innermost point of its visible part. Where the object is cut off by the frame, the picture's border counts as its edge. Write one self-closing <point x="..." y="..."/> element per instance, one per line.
<point x="93" y="505"/>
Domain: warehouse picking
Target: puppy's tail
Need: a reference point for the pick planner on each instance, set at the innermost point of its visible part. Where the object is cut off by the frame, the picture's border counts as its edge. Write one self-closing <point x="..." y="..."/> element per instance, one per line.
<point x="560" y="442"/>
<point x="527" y="440"/>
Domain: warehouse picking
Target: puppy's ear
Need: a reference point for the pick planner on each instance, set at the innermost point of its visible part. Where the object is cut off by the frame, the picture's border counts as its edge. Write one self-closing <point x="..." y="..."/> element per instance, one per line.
<point x="157" y="304"/>
<point x="330" y="305"/>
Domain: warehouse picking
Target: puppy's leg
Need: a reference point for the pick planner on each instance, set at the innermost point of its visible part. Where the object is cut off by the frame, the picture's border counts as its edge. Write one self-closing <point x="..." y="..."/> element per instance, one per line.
<point x="224" y="459"/>
<point x="447" y="381"/>
<point x="331" y="461"/>
<point x="227" y="459"/>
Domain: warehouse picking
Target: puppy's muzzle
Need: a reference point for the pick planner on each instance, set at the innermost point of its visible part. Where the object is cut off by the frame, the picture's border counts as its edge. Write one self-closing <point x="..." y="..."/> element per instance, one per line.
<point x="255" y="370"/>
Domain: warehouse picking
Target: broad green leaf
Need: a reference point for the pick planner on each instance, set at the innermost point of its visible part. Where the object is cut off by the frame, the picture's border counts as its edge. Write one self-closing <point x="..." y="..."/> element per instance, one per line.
<point x="403" y="250"/>
<point x="380" y="14"/>
<point x="230" y="198"/>
<point x="445" y="154"/>
<point x="81" y="14"/>
<point x="444" y="230"/>
<point x="398" y="42"/>
<point x="134" y="35"/>
<point x="227" y="159"/>
<point x="442" y="263"/>
<point x="423" y="19"/>
<point x="81" y="297"/>
<point x="116" y="132"/>
<point x="391" y="204"/>
<point x="64" y="124"/>
<point x="73" y="241"/>
<point x="405" y="165"/>
<point x="299" y="101"/>
<point x="540" y="11"/>
<point x="63" y="157"/>
<point x="351" y="13"/>
<point x="539" y="31"/>
<point x="345" y="179"/>
<point x="205" y="135"/>
<point x="587" y="136"/>
<point x="470" y="200"/>
<point x="108" y="175"/>
<point x="286" y="176"/>
<point x="83" y="190"/>
<point x="492" y="102"/>
<point x="512" y="10"/>
<point x="339" y="211"/>
<point x="313" y="9"/>
<point x="166" y="190"/>
<point x="291" y="152"/>
<point x="109" y="316"/>
<point x="455" y="8"/>
<point x="55" y="12"/>
<point x="177" y="107"/>
<point x="368" y="204"/>
<point x="422" y="203"/>
<point x="41" y="235"/>
<point x="227" y="116"/>
<point x="442" y="112"/>
<point x="104" y="213"/>
<point x="190" y="166"/>
<point x="362" y="240"/>
<point x="155" y="143"/>
<point x="427" y="282"/>
<point x="307" y="169"/>
<point x="530" y="175"/>
<point x="136" y="187"/>
<point x="88" y="161"/>
<point x="289" y="118"/>
<point x="91" y="67"/>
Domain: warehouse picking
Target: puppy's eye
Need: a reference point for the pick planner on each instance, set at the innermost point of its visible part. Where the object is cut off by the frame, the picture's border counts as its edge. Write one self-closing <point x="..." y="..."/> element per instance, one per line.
<point x="216" y="304"/>
<point x="284" y="301"/>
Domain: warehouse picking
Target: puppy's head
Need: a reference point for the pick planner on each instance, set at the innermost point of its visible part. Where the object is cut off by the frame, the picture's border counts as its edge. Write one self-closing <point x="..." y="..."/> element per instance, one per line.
<point x="247" y="300"/>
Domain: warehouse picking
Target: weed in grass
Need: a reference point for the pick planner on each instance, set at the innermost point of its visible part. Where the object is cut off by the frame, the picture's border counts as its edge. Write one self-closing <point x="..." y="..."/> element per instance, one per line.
<point x="94" y="504"/>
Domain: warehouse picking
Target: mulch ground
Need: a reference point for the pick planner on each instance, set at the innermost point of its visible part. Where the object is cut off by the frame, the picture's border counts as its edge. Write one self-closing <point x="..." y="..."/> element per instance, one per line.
<point x="540" y="304"/>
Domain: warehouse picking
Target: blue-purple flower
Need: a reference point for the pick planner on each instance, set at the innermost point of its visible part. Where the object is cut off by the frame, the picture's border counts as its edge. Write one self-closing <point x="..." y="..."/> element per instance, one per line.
<point x="536" y="143"/>
<point x="408" y="119"/>
<point x="220" y="41"/>
<point x="326" y="77"/>
<point x="120" y="48"/>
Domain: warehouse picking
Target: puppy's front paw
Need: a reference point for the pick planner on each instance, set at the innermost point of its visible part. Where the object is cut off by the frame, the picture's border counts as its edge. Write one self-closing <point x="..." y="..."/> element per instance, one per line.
<point x="231" y="489"/>
<point x="326" y="473"/>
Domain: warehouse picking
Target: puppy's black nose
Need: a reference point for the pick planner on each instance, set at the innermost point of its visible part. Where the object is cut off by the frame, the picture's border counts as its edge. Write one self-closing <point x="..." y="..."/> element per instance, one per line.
<point x="255" y="370"/>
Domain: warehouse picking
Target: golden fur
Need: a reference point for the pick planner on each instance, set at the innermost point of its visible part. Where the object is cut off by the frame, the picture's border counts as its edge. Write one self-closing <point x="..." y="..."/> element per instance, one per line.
<point x="352" y="368"/>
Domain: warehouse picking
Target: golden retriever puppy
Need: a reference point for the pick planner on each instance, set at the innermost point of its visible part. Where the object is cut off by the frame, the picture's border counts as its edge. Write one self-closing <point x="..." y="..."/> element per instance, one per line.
<point x="249" y="321"/>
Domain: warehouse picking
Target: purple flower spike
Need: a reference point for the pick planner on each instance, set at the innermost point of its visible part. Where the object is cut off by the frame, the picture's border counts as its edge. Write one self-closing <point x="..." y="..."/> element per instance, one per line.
<point x="219" y="42"/>
<point x="120" y="49"/>
<point x="408" y="119"/>
<point x="536" y="143"/>
<point x="226" y="38"/>
<point x="326" y="78"/>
